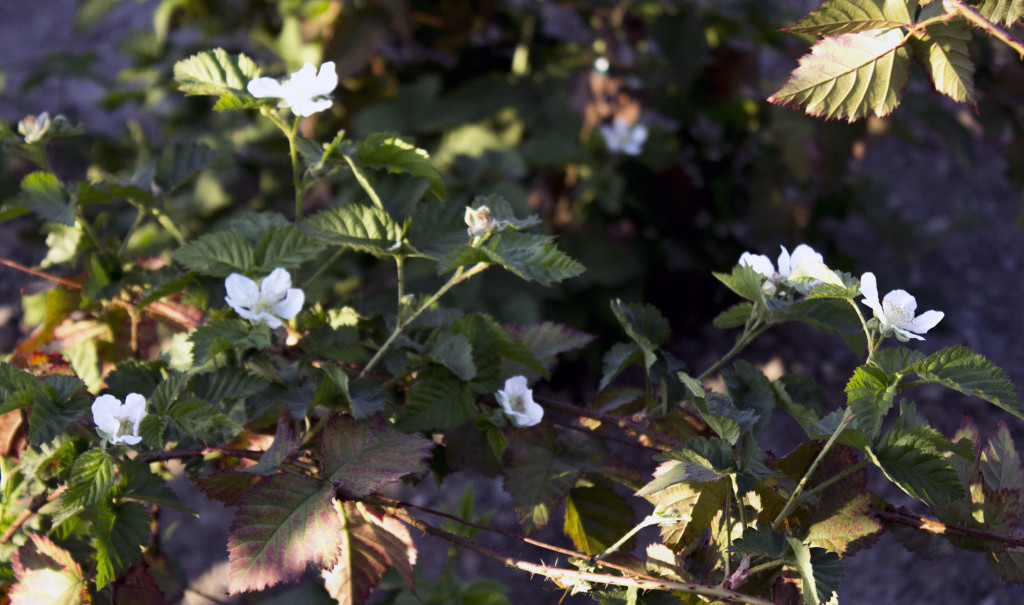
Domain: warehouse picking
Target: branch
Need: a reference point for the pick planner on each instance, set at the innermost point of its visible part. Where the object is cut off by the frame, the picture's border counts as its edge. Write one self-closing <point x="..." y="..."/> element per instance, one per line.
<point x="570" y="577"/>
<point x="626" y="425"/>
<point x="954" y="7"/>
<point x="938" y="527"/>
<point x="38" y="502"/>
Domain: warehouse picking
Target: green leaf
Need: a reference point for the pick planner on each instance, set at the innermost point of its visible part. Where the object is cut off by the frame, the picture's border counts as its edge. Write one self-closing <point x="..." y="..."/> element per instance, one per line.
<point x="437" y="228"/>
<point x="1000" y="464"/>
<point x="744" y="281"/>
<point x="180" y="160"/>
<point x="372" y="542"/>
<point x="835" y="17"/>
<point x="923" y="474"/>
<point x="539" y="474"/>
<point x="217" y="254"/>
<point x="1007" y="562"/>
<point x="42" y="194"/>
<point x="219" y="74"/>
<point x="942" y="49"/>
<point x="849" y="76"/>
<point x="363" y="228"/>
<point x="224" y="334"/>
<point x="802" y="398"/>
<point x="16" y="388"/>
<point x="503" y="212"/>
<point x="91" y="476"/>
<point x="544" y="341"/>
<point x="51" y="414"/>
<point x="845" y="527"/>
<point x="751" y="390"/>
<point x="228" y="383"/>
<point x="285" y="247"/>
<point x="961" y="369"/>
<point x="820" y="570"/>
<point x="47" y="575"/>
<point x="827" y="315"/>
<point x="437" y="400"/>
<point x="701" y="501"/>
<point x="388" y="150"/>
<point x="360" y="458"/>
<point x="284" y="445"/>
<point x="195" y="416"/>
<point x="368" y="398"/>
<point x="596" y="517"/>
<point x="645" y="325"/>
<point x="761" y="540"/>
<point x="455" y="352"/>
<point x="870" y="395"/>
<point x="255" y="225"/>
<point x="134" y="377"/>
<point x="616" y="359"/>
<point x="121" y="533"/>
<point x="282" y="524"/>
<point x="897" y="360"/>
<point x="531" y="257"/>
<point x="733" y="317"/>
<point x="1001" y="12"/>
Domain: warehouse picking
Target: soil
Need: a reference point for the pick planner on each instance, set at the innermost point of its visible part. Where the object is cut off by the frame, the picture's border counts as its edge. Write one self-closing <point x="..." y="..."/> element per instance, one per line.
<point x="963" y="256"/>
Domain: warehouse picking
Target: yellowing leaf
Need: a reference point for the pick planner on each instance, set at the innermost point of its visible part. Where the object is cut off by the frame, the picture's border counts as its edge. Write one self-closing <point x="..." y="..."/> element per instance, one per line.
<point x="943" y="51"/>
<point x="849" y="76"/>
<point x="850" y="16"/>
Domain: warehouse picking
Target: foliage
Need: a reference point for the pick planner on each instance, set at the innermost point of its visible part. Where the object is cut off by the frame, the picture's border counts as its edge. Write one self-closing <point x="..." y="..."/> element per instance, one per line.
<point x="419" y="281"/>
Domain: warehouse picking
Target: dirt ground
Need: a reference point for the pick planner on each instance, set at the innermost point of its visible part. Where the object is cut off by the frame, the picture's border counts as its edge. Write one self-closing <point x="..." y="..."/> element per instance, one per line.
<point x="964" y="258"/>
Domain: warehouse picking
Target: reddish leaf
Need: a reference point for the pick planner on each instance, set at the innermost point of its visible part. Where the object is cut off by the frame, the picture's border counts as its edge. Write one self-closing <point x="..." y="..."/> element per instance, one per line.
<point x="284" y="523"/>
<point x="371" y="543"/>
<point x="360" y="458"/>
<point x="47" y="574"/>
<point x="227" y="487"/>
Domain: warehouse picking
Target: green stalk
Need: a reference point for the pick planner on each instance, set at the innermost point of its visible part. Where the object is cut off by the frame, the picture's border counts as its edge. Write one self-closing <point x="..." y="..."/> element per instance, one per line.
<point x="793" y="501"/>
<point x="296" y="168"/>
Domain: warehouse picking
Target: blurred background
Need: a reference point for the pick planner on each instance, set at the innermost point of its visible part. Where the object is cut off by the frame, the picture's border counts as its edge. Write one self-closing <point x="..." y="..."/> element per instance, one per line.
<point x="509" y="97"/>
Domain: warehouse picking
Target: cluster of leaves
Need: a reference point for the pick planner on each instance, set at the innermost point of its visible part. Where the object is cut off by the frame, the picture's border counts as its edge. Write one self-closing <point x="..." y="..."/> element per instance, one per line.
<point x="307" y="431"/>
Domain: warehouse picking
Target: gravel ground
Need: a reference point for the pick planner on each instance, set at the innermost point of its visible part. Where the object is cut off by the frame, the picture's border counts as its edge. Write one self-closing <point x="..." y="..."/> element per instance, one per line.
<point x="963" y="257"/>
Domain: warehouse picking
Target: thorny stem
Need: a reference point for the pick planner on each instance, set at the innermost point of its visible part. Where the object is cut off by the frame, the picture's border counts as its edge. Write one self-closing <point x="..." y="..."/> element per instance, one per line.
<point x="569" y="577"/>
<point x="837" y="477"/>
<point x="460" y="275"/>
<point x="764" y="566"/>
<point x="937" y="527"/>
<point x="792" y="502"/>
<point x="864" y="324"/>
<point x="750" y="332"/>
<point x="37" y="503"/>
<point x="955" y="7"/>
<point x="647" y="522"/>
<point x="626" y="425"/>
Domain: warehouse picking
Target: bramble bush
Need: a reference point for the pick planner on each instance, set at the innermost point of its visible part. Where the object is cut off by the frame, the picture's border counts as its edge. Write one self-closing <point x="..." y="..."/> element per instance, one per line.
<point x="305" y="353"/>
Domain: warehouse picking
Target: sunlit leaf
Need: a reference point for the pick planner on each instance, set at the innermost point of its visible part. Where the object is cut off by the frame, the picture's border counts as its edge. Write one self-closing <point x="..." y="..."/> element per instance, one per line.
<point x="849" y="76"/>
<point x="179" y="161"/>
<point x="121" y="533"/>
<point x="217" y="73"/>
<point x="849" y="16"/>
<point x="42" y="194"/>
<point x="820" y="570"/>
<point x="286" y="247"/>
<point x="388" y="150"/>
<point x="961" y="369"/>
<point x="217" y="254"/>
<point x="363" y="228"/>
<point x="943" y="51"/>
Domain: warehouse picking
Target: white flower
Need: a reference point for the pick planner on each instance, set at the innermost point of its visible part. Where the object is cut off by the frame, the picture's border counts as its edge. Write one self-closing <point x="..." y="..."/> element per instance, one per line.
<point x="896" y="311"/>
<point x="622" y="138"/>
<point x="481" y="221"/>
<point x="517" y="401"/>
<point x="272" y="300"/>
<point x="119" y="423"/>
<point x="305" y="92"/>
<point x="34" y="127"/>
<point x="787" y="265"/>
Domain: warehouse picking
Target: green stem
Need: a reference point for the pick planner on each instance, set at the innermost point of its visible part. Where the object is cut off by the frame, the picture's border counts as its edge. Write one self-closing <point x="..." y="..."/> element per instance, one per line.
<point x="792" y="502"/>
<point x="127" y="236"/>
<point x="322" y="268"/>
<point x="649" y="521"/>
<point x="296" y="167"/>
<point x="88" y="228"/>
<point x="955" y="7"/>
<point x="764" y="566"/>
<point x="824" y="484"/>
<point x="748" y="336"/>
<point x="460" y="275"/>
<point x="864" y="324"/>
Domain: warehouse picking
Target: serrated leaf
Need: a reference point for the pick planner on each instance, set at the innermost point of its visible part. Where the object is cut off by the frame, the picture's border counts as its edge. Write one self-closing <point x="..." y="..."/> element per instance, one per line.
<point x="195" y="416"/>
<point x="372" y="542"/>
<point x="51" y="414"/>
<point x="284" y="445"/>
<point x="849" y="76"/>
<point x="227" y="487"/>
<point x="503" y="212"/>
<point x="1007" y="563"/>
<point x="437" y="400"/>
<point x="539" y="474"/>
<point x="801" y="397"/>
<point x="16" y="388"/>
<point x="217" y="73"/>
<point x="363" y="228"/>
<point x="255" y="225"/>
<point x="820" y="570"/>
<point x="733" y="317"/>
<point x="897" y="360"/>
<point x="121" y="533"/>
<point x="744" y="281"/>
<point x="644" y="325"/>
<point x="91" y="476"/>
<point x="389" y="151"/>
<point x="925" y="475"/>
<point x="44" y="195"/>
<point x="134" y="377"/>
<point x="596" y="517"/>
<point x="437" y="228"/>
<point x="46" y="575"/>
<point x="961" y="369"/>
<point x="1001" y="12"/>
<point x="224" y="334"/>
<point x="1000" y="464"/>
<point x="286" y="247"/>
<point x="360" y="458"/>
<point x="835" y="17"/>
<point x="217" y="254"/>
<point x="528" y="256"/>
<point x="827" y="315"/>
<point x="847" y="528"/>
<point x="701" y="501"/>
<point x="180" y="160"/>
<point x="228" y="383"/>
<point x="761" y="540"/>
<point x="455" y="352"/>
<point x="284" y="523"/>
<point x="869" y="394"/>
<point x="942" y="50"/>
<point x="368" y="398"/>
<point x="751" y="390"/>
<point x="620" y="356"/>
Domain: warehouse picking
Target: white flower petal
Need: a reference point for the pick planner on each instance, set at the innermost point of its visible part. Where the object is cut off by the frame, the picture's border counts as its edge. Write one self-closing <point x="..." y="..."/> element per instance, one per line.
<point x="306" y="108"/>
<point x="326" y="79"/>
<point x="131" y="439"/>
<point x="242" y="291"/>
<point x="869" y="288"/>
<point x="926" y="321"/>
<point x="290" y="306"/>
<point x="268" y="319"/>
<point x="905" y="334"/>
<point x="262" y="88"/>
<point x="758" y="262"/>
<point x="275" y="286"/>
<point x="104" y="409"/>
<point x="305" y="77"/>
<point x="785" y="268"/>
